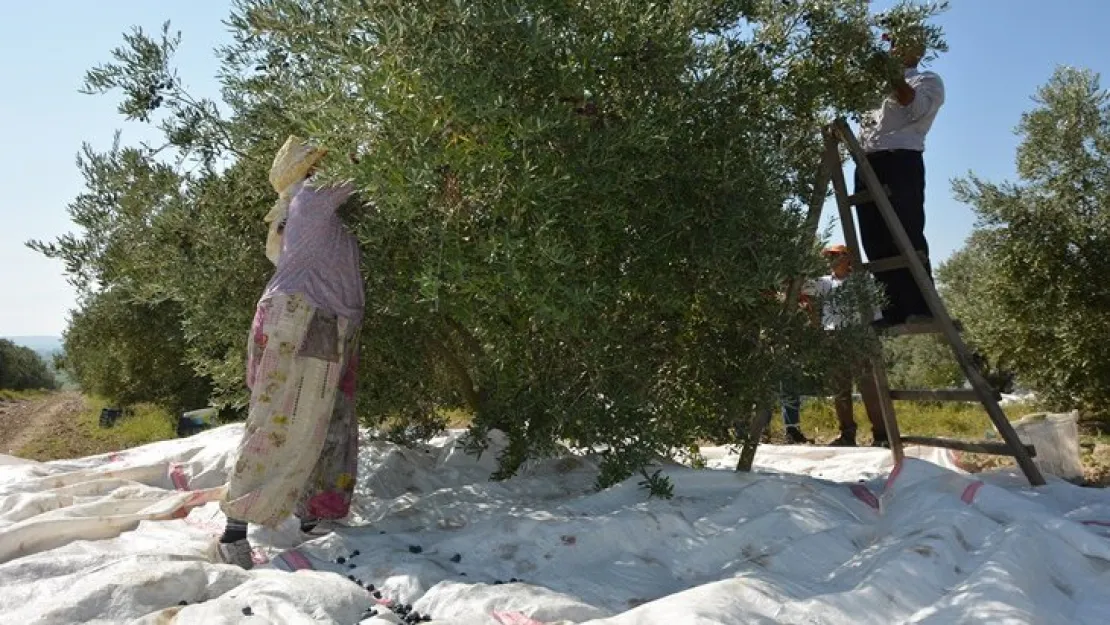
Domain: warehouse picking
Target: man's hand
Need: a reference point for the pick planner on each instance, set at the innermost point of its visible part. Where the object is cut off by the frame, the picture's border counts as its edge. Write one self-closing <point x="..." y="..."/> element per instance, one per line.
<point x="886" y="65"/>
<point x="903" y="92"/>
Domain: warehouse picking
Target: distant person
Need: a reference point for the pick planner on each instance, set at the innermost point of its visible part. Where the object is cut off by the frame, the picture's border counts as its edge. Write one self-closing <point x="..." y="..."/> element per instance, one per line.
<point x="791" y="401"/>
<point x="790" y="398"/>
<point x="833" y="317"/>
<point x="298" y="455"/>
<point x="894" y="138"/>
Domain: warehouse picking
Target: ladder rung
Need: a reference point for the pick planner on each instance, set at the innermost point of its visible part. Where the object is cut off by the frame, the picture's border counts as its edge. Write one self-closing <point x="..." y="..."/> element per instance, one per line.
<point x="927" y="327"/>
<point x="922" y="328"/>
<point x="886" y="264"/>
<point x="979" y="447"/>
<point x="907" y="329"/>
<point x="948" y="394"/>
<point x="892" y="263"/>
<point x="863" y="197"/>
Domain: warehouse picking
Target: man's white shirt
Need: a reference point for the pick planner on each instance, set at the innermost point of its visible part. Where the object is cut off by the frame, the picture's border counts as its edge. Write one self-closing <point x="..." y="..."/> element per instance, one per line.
<point x="896" y="127"/>
<point x="834" y="313"/>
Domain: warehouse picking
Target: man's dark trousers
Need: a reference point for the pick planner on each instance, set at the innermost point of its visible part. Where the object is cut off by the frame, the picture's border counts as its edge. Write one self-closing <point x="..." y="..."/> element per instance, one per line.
<point x="903" y="172"/>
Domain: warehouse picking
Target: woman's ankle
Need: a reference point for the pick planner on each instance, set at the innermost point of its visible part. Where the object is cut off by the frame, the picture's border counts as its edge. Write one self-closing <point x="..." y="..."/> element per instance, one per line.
<point x="234" y="531"/>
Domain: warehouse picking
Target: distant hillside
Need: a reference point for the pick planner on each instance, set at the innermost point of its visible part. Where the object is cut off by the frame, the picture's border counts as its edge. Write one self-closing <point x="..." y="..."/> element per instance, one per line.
<point x="45" y="346"/>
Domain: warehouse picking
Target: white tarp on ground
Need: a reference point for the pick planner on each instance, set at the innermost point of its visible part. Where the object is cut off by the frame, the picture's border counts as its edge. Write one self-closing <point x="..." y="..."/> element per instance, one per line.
<point x="821" y="536"/>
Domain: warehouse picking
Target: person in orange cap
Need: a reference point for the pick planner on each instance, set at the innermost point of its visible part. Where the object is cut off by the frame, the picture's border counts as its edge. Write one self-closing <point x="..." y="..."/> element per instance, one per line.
<point x="832" y="318"/>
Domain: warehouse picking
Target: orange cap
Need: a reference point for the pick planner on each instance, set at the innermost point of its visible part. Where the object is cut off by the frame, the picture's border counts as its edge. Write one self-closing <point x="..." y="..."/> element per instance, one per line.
<point x="839" y="248"/>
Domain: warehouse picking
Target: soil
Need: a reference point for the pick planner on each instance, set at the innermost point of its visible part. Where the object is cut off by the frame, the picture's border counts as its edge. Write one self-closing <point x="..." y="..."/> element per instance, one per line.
<point x="27" y="420"/>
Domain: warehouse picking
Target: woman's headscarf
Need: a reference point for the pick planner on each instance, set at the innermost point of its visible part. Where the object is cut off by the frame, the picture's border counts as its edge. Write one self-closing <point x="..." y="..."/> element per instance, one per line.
<point x="291" y="165"/>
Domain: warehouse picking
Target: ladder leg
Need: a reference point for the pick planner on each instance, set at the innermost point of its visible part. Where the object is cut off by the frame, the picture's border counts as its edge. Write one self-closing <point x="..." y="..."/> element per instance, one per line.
<point x="998" y="417"/>
<point x="762" y="416"/>
<point x="844" y="206"/>
<point x="936" y="306"/>
<point x="877" y="391"/>
<point x="876" y="374"/>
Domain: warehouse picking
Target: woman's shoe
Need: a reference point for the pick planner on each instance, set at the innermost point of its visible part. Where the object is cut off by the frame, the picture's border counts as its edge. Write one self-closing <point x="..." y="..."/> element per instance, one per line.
<point x="238" y="553"/>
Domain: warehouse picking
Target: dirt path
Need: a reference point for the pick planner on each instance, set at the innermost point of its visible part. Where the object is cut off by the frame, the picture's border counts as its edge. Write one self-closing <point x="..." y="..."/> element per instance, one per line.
<point x="23" y="421"/>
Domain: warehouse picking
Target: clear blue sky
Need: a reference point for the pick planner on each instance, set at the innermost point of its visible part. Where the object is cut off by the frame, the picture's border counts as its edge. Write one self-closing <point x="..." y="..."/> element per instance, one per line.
<point x="1001" y="50"/>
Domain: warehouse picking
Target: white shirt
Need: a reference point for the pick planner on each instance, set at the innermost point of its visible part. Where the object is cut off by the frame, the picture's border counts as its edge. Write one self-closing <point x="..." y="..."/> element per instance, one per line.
<point x="897" y="127"/>
<point x="834" y="313"/>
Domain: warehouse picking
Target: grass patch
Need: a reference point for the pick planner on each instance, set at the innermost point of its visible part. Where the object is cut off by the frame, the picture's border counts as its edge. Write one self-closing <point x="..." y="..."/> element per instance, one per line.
<point x="955" y="420"/>
<point x="457" y="418"/>
<point x="10" y="395"/>
<point x="82" y="435"/>
<point x="942" y="419"/>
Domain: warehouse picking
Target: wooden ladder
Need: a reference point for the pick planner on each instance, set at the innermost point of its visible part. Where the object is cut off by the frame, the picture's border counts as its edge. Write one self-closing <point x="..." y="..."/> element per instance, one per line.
<point x="981" y="391"/>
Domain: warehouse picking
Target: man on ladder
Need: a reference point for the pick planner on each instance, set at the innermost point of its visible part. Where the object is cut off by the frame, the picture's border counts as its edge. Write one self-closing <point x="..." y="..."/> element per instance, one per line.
<point x="894" y="138"/>
<point x="890" y="200"/>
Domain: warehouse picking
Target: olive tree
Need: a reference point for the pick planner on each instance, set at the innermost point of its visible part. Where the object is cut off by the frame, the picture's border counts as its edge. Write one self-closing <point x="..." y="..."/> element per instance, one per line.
<point x="574" y="212"/>
<point x="1031" y="280"/>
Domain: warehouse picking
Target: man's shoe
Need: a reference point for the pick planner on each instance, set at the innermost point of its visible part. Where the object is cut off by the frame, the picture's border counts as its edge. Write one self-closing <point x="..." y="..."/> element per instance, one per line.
<point x="843" y="441"/>
<point x="237" y="553"/>
<point x="881" y="442"/>
<point x="794" y="436"/>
